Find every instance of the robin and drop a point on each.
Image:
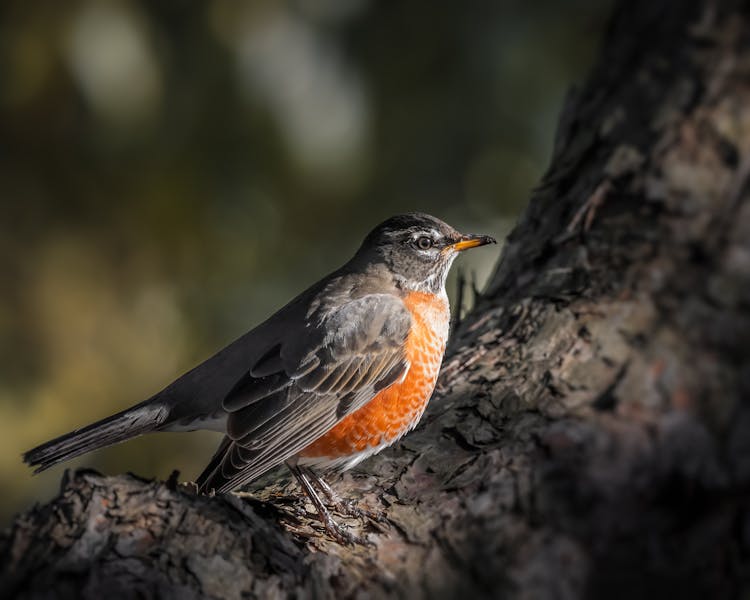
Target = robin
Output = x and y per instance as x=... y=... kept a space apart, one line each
x=341 y=372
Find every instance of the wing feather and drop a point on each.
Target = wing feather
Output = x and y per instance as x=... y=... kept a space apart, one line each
x=338 y=366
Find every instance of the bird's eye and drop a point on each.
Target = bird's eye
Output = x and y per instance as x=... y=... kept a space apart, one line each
x=424 y=243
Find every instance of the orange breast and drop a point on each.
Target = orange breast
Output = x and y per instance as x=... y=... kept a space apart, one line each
x=398 y=408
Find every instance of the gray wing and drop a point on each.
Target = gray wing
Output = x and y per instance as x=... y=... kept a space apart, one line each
x=301 y=387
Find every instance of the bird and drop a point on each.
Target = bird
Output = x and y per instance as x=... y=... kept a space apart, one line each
x=342 y=371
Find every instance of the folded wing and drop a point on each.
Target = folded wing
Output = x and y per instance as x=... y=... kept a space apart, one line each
x=302 y=386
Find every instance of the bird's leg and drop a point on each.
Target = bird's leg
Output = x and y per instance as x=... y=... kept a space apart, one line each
x=346 y=507
x=323 y=486
x=331 y=526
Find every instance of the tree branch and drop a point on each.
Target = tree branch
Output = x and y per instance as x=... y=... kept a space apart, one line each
x=591 y=433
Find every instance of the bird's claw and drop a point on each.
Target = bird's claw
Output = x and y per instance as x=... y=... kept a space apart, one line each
x=351 y=509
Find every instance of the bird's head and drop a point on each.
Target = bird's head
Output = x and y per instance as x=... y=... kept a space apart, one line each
x=418 y=249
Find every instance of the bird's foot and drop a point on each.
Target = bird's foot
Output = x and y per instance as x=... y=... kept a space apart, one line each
x=335 y=530
x=349 y=508
x=340 y=533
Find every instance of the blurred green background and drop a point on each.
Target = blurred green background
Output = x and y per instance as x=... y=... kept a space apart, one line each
x=172 y=172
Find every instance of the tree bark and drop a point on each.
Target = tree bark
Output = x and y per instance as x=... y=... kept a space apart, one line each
x=590 y=435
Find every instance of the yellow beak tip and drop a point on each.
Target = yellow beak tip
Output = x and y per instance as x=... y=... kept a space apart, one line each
x=472 y=241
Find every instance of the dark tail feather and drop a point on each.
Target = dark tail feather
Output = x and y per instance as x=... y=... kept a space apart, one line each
x=127 y=424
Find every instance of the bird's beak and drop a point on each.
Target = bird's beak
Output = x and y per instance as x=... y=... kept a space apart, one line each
x=471 y=241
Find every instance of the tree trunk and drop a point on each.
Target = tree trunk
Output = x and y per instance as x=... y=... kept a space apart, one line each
x=590 y=435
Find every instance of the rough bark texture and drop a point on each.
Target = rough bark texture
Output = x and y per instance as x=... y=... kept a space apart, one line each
x=590 y=436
